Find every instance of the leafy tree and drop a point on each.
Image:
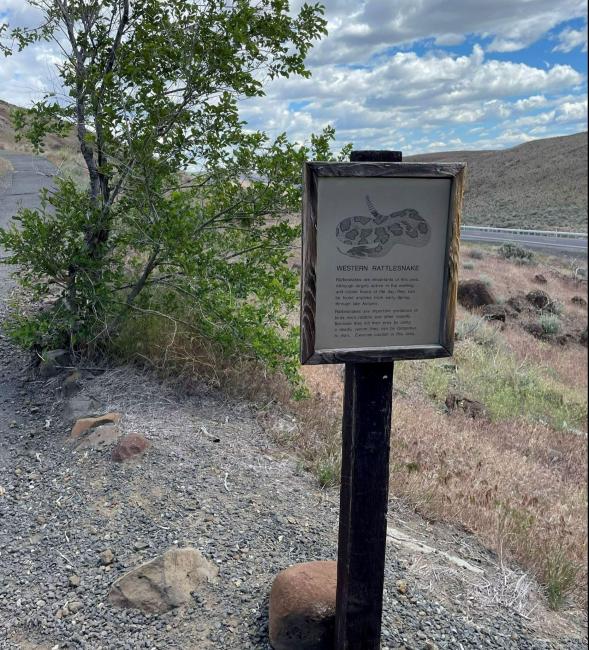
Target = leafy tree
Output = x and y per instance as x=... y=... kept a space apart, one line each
x=152 y=90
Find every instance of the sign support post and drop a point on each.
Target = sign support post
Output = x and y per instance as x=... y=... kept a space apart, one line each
x=380 y=278
x=364 y=491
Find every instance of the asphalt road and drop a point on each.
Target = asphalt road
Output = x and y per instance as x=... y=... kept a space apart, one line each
x=20 y=188
x=573 y=246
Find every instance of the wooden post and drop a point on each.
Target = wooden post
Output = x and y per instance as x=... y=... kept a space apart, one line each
x=364 y=491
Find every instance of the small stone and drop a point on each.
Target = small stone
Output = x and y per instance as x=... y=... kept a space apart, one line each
x=107 y=557
x=2 y=491
x=402 y=586
x=99 y=438
x=40 y=603
x=139 y=546
x=75 y=606
x=540 y=279
x=81 y=407
x=164 y=583
x=302 y=607
x=84 y=424
x=74 y=581
x=71 y=385
x=129 y=446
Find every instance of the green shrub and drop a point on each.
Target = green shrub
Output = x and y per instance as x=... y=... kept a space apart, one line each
x=486 y=280
x=477 y=329
x=559 y=576
x=476 y=254
x=512 y=251
x=550 y=324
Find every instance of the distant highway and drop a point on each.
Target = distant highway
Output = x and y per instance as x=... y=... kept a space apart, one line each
x=555 y=242
x=20 y=188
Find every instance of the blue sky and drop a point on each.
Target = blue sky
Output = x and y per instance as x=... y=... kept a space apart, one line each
x=416 y=75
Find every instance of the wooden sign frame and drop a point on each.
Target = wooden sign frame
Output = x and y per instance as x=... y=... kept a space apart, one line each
x=313 y=172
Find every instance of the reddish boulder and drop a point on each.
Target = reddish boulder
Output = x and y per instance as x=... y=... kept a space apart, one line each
x=129 y=446
x=83 y=424
x=494 y=312
x=474 y=293
x=302 y=607
x=540 y=299
x=468 y=406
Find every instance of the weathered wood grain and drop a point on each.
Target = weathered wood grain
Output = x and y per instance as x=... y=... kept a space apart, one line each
x=364 y=491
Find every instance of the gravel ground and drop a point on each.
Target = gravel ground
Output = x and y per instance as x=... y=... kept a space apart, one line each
x=211 y=480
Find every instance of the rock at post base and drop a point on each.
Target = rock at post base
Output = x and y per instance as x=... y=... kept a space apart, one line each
x=163 y=583
x=129 y=446
x=302 y=607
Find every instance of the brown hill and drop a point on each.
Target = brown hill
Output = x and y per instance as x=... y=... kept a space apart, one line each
x=7 y=140
x=539 y=184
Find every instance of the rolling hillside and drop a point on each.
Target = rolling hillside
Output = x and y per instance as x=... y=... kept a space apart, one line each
x=539 y=184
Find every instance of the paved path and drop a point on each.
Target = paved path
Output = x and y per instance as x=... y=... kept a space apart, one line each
x=20 y=188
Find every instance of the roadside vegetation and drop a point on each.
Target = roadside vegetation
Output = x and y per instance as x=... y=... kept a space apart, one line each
x=513 y=470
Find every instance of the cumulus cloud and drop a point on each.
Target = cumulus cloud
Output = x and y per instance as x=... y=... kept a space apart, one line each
x=569 y=39
x=359 y=29
x=386 y=77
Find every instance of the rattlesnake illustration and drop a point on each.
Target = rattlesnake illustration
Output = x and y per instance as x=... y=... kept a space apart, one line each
x=375 y=236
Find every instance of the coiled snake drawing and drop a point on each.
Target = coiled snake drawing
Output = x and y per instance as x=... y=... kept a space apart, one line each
x=375 y=236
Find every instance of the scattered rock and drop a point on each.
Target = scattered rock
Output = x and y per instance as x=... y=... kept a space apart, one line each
x=74 y=581
x=494 y=312
x=469 y=406
x=402 y=586
x=474 y=293
x=163 y=583
x=540 y=299
x=52 y=362
x=129 y=446
x=107 y=557
x=84 y=424
x=540 y=279
x=535 y=329
x=579 y=300
x=518 y=303
x=302 y=607
x=71 y=385
x=99 y=437
x=81 y=407
x=75 y=606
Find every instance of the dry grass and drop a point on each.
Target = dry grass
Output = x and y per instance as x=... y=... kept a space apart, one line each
x=518 y=483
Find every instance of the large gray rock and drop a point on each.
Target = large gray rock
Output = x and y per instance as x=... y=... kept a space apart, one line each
x=81 y=406
x=302 y=607
x=163 y=583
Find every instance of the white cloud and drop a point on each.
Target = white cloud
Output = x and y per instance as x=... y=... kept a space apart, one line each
x=359 y=29
x=569 y=39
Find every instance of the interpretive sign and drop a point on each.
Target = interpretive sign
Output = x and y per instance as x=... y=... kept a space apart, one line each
x=380 y=249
